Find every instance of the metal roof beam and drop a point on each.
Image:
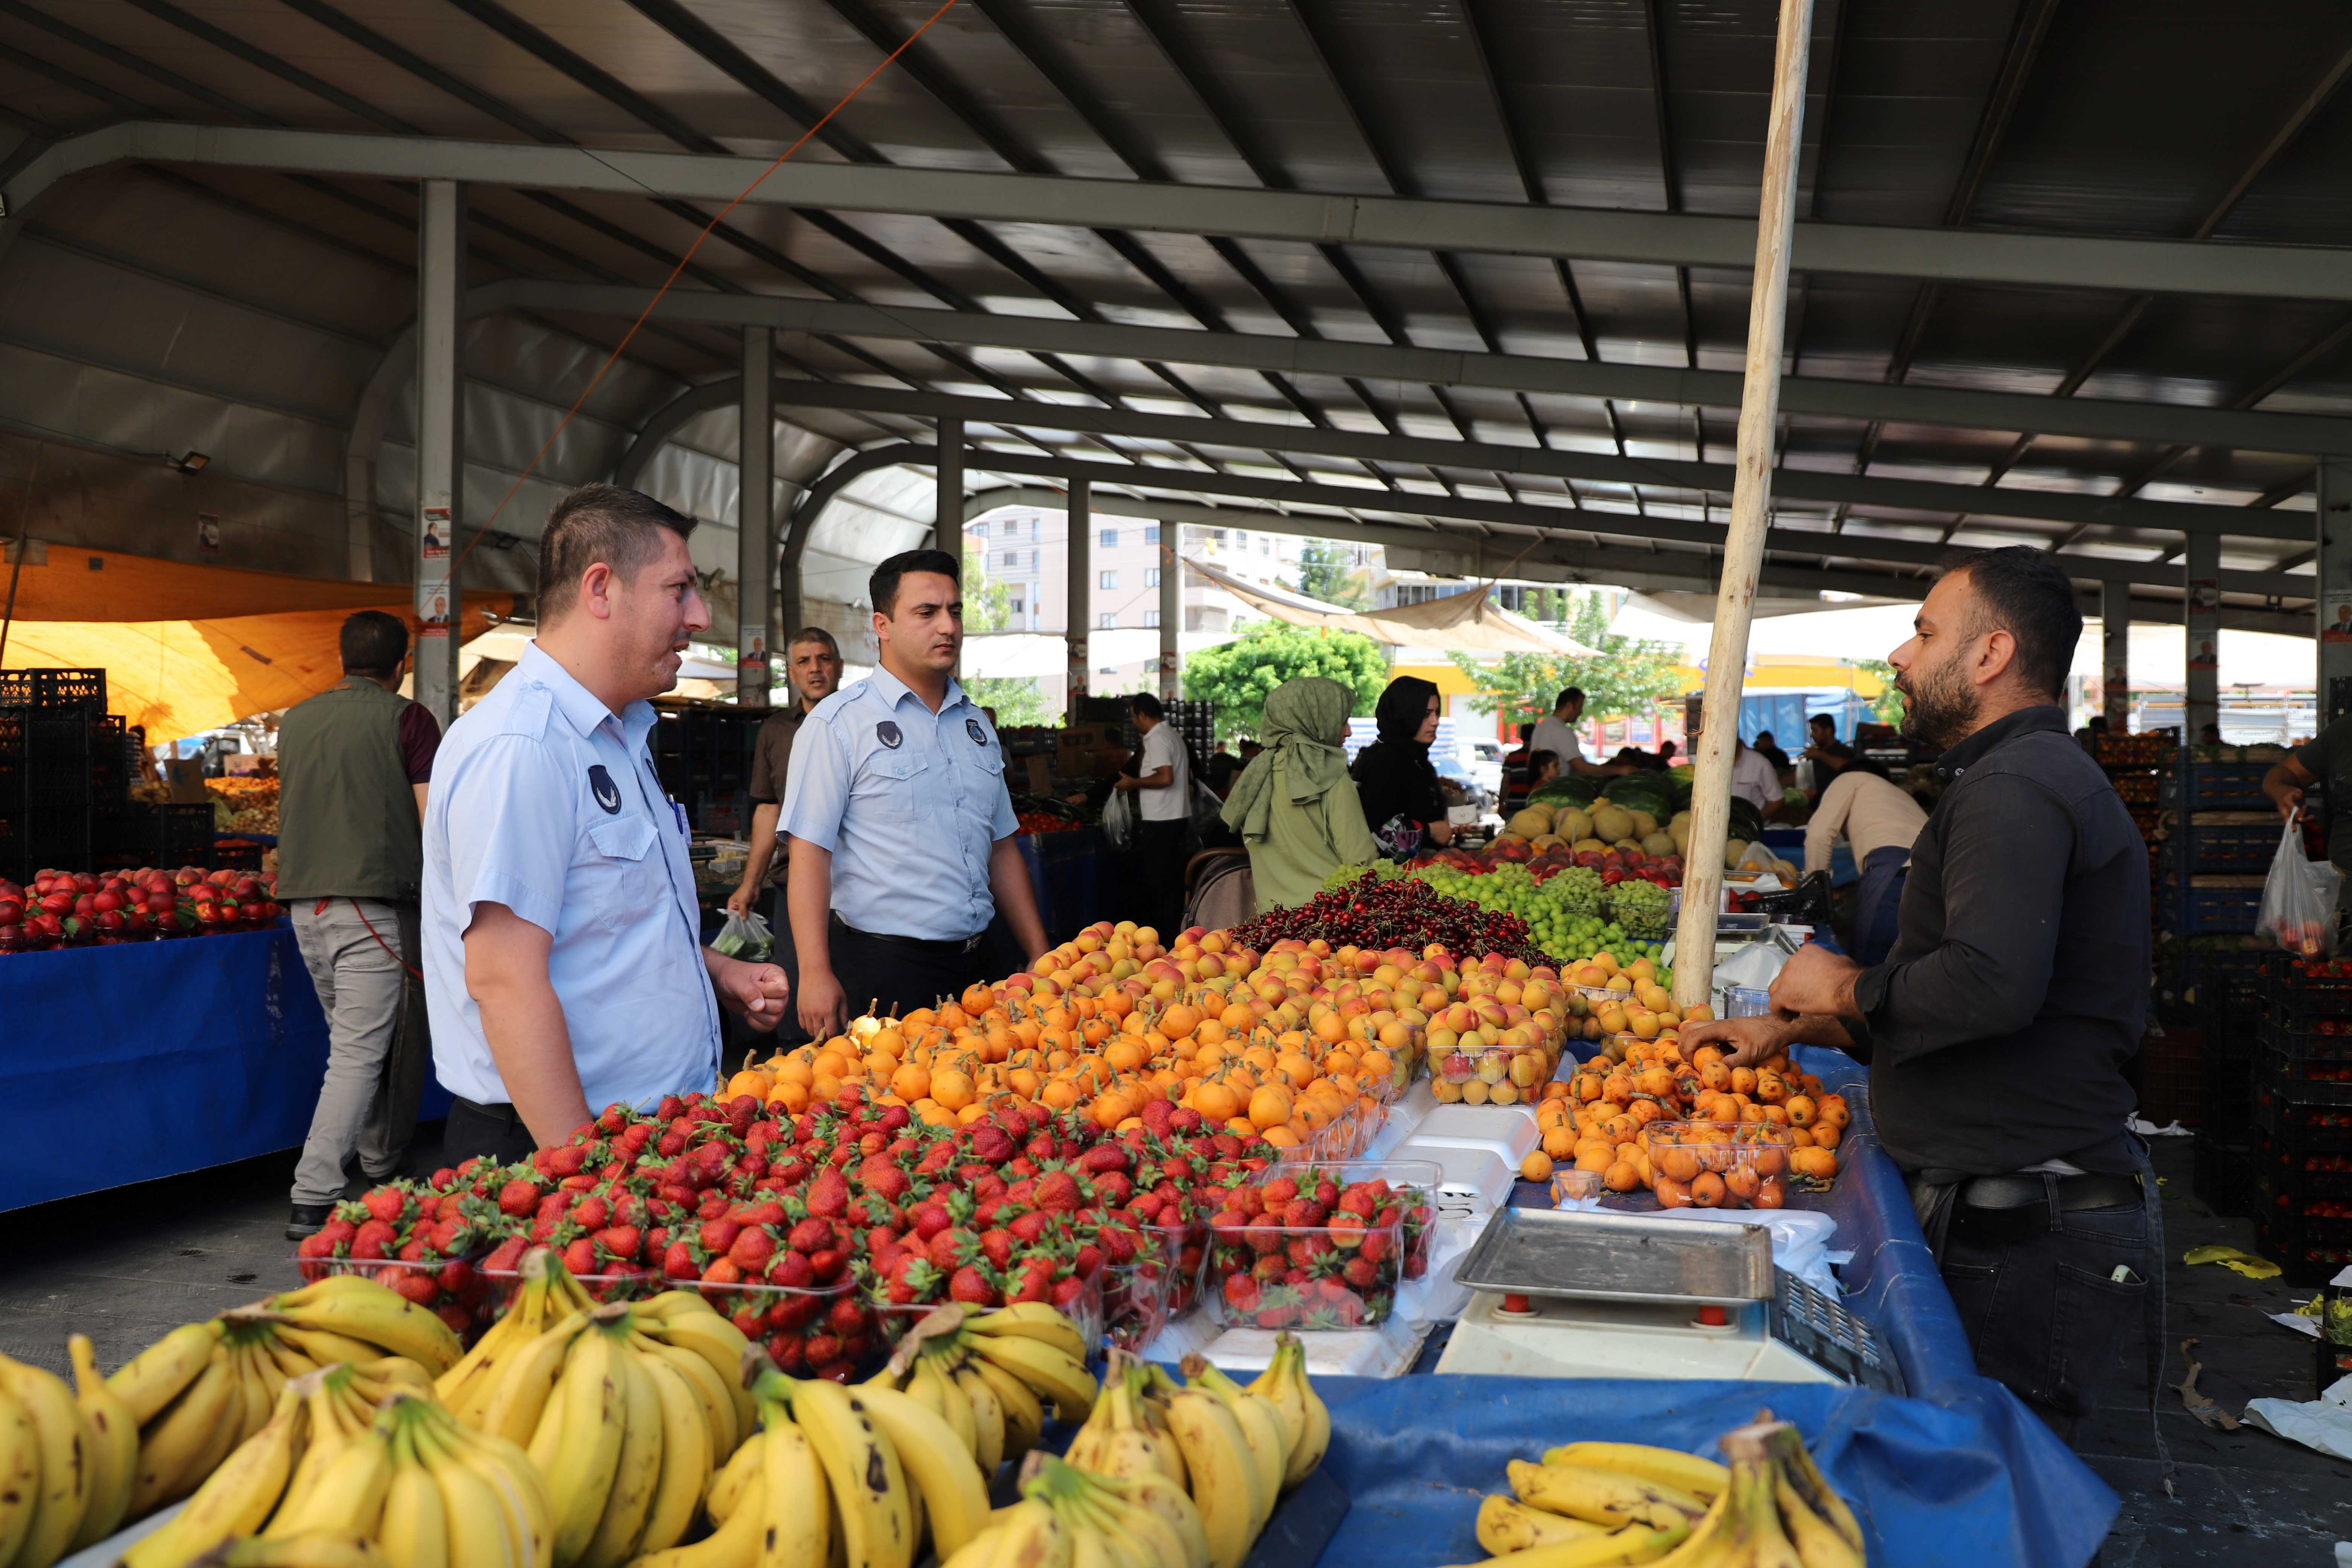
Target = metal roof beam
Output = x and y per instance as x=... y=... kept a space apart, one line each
x=1381 y=363
x=2029 y=260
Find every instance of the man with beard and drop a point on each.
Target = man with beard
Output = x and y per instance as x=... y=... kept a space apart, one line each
x=902 y=834
x=1997 y=1026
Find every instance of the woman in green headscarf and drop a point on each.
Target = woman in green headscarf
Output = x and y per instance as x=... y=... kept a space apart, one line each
x=1294 y=806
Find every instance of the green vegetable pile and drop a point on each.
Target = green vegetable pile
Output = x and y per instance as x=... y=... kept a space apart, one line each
x=1562 y=913
x=1640 y=906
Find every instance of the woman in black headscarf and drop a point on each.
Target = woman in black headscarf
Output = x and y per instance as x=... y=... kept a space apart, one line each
x=1393 y=776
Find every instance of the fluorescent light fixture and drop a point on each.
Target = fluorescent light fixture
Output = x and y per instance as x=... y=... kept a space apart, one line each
x=190 y=462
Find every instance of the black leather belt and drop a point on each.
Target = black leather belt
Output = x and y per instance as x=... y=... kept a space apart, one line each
x=504 y=1115
x=948 y=947
x=2085 y=1192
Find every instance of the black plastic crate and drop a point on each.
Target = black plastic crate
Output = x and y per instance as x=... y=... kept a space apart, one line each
x=2311 y=1249
x=2305 y=1082
x=2324 y=1040
x=2203 y=911
x=63 y=691
x=2221 y=848
x=2216 y=786
x=2220 y=1174
x=2292 y=1181
x=2305 y=1128
x=232 y=854
x=184 y=835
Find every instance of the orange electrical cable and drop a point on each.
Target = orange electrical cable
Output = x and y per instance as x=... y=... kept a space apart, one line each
x=596 y=380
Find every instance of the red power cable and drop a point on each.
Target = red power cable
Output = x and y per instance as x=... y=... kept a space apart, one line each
x=596 y=380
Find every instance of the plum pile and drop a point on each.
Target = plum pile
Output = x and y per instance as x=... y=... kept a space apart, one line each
x=1405 y=912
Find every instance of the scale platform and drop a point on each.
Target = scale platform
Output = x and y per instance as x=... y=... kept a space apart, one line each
x=1564 y=1293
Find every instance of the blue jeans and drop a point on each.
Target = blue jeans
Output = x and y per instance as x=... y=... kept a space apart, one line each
x=1877 y=900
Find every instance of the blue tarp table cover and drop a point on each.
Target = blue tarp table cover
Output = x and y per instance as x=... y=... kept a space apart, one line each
x=1959 y=1473
x=154 y=1058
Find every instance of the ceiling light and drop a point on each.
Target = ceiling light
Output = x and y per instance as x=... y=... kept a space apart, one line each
x=190 y=463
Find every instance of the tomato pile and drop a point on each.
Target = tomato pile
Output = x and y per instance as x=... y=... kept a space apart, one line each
x=822 y=1234
x=72 y=908
x=1403 y=913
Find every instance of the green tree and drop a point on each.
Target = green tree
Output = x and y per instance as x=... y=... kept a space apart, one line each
x=1324 y=572
x=1626 y=677
x=1236 y=677
x=987 y=608
x=1887 y=706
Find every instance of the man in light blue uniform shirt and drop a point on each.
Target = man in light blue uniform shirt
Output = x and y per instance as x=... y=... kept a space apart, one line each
x=563 y=963
x=902 y=832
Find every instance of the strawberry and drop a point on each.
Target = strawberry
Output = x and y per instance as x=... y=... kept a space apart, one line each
x=1027 y=1228
x=846 y=1318
x=828 y=1194
x=718 y=1235
x=1303 y=1214
x=950 y=1248
x=1066 y=1291
x=1058 y=1189
x=810 y=1235
x=829 y=1264
x=792 y=1269
x=386 y=1204
x=1358 y=1200
x=1033 y=1281
x=679 y=1262
x=1360 y=1272
x=722 y=1271
x=621 y=1241
x=341 y=1225
x=418 y=1286
x=315 y=1244
x=374 y=1240
x=972 y=1287
x=996 y=1246
x=591 y=1212
x=914 y=1280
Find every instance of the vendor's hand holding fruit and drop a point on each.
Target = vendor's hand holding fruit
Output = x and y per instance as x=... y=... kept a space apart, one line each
x=1815 y=984
x=1814 y=990
x=1745 y=1042
x=758 y=993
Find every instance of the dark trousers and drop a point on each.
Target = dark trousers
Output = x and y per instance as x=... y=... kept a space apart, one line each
x=493 y=1132
x=896 y=977
x=2037 y=1293
x=1877 y=899
x=1160 y=852
x=787 y=958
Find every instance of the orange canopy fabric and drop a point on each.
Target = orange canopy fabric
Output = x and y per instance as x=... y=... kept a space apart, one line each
x=188 y=649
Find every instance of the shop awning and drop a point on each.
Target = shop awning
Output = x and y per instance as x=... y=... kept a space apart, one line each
x=1468 y=622
x=189 y=648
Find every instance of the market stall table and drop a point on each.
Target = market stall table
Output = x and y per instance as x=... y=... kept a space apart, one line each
x=156 y=1059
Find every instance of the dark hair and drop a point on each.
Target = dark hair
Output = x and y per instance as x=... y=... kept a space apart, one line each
x=813 y=634
x=1249 y=743
x=1828 y=719
x=599 y=523
x=1572 y=694
x=373 y=644
x=882 y=588
x=1763 y=738
x=1147 y=705
x=1540 y=760
x=2098 y=724
x=2022 y=591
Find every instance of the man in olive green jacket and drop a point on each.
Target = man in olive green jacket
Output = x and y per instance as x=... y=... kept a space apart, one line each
x=352 y=764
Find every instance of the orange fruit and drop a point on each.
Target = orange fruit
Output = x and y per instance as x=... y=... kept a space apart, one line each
x=1707 y=1190
x=1622 y=1176
x=1535 y=1167
x=1672 y=1195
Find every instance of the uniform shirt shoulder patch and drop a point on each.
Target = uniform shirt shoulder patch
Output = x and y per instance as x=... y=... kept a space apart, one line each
x=979 y=736
x=607 y=793
x=887 y=731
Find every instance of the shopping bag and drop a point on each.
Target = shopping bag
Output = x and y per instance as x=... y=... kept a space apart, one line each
x=1119 y=820
x=2299 y=898
x=746 y=937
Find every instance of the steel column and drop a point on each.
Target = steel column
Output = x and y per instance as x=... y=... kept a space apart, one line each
x=2114 y=666
x=755 y=518
x=2335 y=606
x=2203 y=572
x=947 y=526
x=1171 y=611
x=1077 y=612
x=440 y=441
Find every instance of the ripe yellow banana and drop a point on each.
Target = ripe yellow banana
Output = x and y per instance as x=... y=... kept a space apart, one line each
x=376 y=1315
x=1274 y=1386
x=1024 y=1417
x=20 y=1474
x=935 y=1458
x=530 y=1315
x=163 y=1372
x=415 y=1510
x=481 y=1528
x=1225 y=1476
x=64 y=1443
x=734 y=1544
x=1818 y=1543
x=623 y=1522
x=717 y=1341
x=1029 y=1535
x=311 y=1549
x=1033 y=1321
x=1631 y=1544
x=517 y=1398
x=182 y=1445
x=249 y=1408
x=347 y=1498
x=931 y=1388
x=590 y=1419
x=1260 y=1427
x=686 y=1451
x=1779 y=1443
x=234 y=1500
x=1054 y=1373
x=987 y=1418
x=1702 y=1478
x=869 y=1487
x=711 y=1394
x=1315 y=1419
x=1603 y=1497
x=794 y=1500
x=1506 y=1524
x=735 y=1479
x=514 y=1484
x=325 y=1348
x=1174 y=1505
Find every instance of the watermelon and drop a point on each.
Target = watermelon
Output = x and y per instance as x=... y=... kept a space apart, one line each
x=1572 y=789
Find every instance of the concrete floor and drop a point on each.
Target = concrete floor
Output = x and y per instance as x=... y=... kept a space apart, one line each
x=126 y=1266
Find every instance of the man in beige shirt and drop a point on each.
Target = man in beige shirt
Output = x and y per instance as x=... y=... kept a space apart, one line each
x=1882 y=822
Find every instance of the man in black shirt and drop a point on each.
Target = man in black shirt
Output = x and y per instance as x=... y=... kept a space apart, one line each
x=1997 y=1028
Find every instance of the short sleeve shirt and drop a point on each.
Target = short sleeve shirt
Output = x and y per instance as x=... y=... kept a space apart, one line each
x=546 y=802
x=1753 y=780
x=420 y=737
x=772 y=754
x=2327 y=756
x=910 y=803
x=1163 y=748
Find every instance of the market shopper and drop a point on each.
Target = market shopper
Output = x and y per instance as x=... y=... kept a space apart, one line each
x=1555 y=732
x=1295 y=807
x=2327 y=755
x=354 y=765
x=813 y=671
x=1162 y=787
x=563 y=962
x=1996 y=1029
x=901 y=832
x=1880 y=821
x=1394 y=778
x=1753 y=780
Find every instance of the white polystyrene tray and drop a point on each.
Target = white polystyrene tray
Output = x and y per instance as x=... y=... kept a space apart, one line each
x=1508 y=1130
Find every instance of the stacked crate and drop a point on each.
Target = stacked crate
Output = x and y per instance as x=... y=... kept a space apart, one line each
x=2302 y=1171
x=62 y=767
x=2220 y=832
x=704 y=756
x=2230 y=1003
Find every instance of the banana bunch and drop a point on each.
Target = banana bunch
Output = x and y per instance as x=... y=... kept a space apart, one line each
x=626 y=1410
x=58 y=1479
x=993 y=1376
x=204 y=1388
x=1600 y=1505
x=1069 y=1517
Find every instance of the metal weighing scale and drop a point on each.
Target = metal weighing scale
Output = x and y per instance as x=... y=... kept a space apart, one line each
x=1569 y=1293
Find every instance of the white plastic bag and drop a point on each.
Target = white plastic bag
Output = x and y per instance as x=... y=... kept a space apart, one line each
x=1119 y=820
x=746 y=937
x=2299 y=898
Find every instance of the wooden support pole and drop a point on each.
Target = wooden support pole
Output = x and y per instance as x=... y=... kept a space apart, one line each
x=1751 y=498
